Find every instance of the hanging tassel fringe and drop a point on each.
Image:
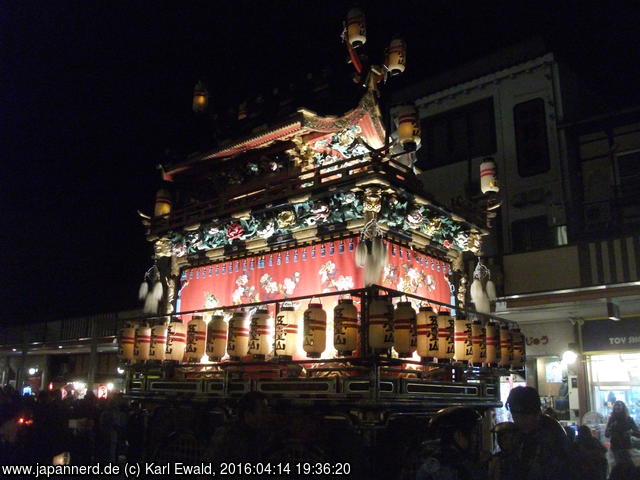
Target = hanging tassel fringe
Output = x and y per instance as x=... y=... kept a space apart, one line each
x=150 y=304
x=491 y=290
x=143 y=290
x=361 y=254
x=157 y=291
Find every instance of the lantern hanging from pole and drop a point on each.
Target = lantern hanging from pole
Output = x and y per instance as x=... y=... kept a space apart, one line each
x=493 y=344
x=506 y=347
x=397 y=56
x=356 y=28
x=345 y=328
x=488 y=178
x=462 y=339
x=126 y=342
x=404 y=328
x=409 y=128
x=216 y=338
x=163 y=204
x=158 y=342
x=142 y=343
x=286 y=339
x=260 y=334
x=176 y=340
x=518 y=348
x=200 y=97
x=315 y=330
x=477 y=340
x=427 y=334
x=196 y=339
x=381 y=324
x=445 y=337
x=238 y=342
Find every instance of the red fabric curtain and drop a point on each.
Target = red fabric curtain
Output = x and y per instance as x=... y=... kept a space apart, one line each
x=324 y=267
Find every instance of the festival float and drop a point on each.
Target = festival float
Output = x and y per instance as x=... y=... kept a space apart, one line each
x=306 y=261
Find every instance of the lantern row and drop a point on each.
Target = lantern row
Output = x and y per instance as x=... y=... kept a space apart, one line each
x=434 y=336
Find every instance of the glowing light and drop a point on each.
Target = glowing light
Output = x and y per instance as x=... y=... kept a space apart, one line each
x=120 y=370
x=109 y=386
x=569 y=357
x=33 y=371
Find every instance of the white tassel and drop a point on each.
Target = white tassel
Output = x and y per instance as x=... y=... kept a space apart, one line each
x=379 y=251
x=361 y=254
x=150 y=304
x=373 y=269
x=482 y=304
x=143 y=290
x=157 y=291
x=476 y=291
x=491 y=290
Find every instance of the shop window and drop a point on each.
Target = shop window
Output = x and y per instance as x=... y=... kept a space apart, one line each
x=531 y=234
x=532 y=146
x=458 y=135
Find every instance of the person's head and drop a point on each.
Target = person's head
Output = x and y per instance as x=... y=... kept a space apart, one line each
x=253 y=409
x=507 y=436
x=584 y=432
x=524 y=405
x=620 y=409
x=458 y=427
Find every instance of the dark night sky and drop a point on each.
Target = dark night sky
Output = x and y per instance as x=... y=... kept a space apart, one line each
x=94 y=92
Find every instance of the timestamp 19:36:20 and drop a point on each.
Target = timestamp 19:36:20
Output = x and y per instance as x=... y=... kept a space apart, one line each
x=285 y=469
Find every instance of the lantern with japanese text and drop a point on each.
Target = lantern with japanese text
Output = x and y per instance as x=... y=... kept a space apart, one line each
x=462 y=338
x=518 y=348
x=409 y=128
x=158 y=342
x=142 y=343
x=404 y=329
x=427 y=334
x=477 y=341
x=239 y=332
x=345 y=328
x=315 y=330
x=163 y=203
x=396 y=56
x=356 y=27
x=286 y=337
x=261 y=334
x=196 y=339
x=445 y=337
x=488 y=180
x=380 y=324
x=126 y=342
x=506 y=347
x=176 y=340
x=216 y=338
x=493 y=344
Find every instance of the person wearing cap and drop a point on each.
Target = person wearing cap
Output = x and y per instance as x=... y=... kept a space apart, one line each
x=453 y=452
x=503 y=465
x=543 y=453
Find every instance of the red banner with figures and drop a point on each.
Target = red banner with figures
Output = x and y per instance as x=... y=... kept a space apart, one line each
x=320 y=268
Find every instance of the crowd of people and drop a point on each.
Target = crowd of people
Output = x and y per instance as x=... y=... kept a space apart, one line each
x=35 y=429
x=534 y=446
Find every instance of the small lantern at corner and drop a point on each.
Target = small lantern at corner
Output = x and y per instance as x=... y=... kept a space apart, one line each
x=396 y=56
x=488 y=179
x=409 y=128
x=200 y=97
x=356 y=28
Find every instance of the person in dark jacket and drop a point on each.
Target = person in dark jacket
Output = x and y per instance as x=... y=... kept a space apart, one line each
x=592 y=454
x=620 y=428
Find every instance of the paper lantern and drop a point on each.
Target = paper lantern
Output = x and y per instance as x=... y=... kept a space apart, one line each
x=380 y=324
x=493 y=344
x=158 y=342
x=345 y=327
x=163 y=203
x=409 y=128
x=518 y=348
x=176 y=341
x=462 y=339
x=216 y=338
x=506 y=347
x=142 y=343
x=445 y=337
x=477 y=342
x=356 y=27
x=397 y=56
x=286 y=340
x=239 y=331
x=488 y=179
x=427 y=334
x=196 y=339
x=126 y=343
x=200 y=98
x=315 y=330
x=261 y=334
x=404 y=329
